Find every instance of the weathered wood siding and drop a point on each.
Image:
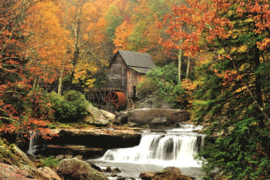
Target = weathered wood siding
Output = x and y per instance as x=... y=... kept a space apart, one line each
x=117 y=76
x=133 y=78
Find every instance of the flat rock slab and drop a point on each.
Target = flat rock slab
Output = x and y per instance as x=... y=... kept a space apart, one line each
x=13 y=172
x=98 y=138
x=77 y=169
x=157 y=116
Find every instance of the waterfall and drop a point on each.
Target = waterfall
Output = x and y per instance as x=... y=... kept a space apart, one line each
x=177 y=147
x=34 y=144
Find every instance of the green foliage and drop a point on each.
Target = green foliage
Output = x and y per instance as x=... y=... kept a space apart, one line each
x=50 y=162
x=237 y=136
x=68 y=108
x=7 y=153
x=161 y=83
x=146 y=126
x=115 y=19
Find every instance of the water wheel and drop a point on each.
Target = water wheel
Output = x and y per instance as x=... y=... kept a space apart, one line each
x=118 y=99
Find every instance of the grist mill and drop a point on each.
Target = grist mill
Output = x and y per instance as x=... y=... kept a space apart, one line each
x=126 y=70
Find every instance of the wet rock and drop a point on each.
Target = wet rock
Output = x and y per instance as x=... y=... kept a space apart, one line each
x=26 y=164
x=96 y=117
x=13 y=172
x=132 y=124
x=27 y=168
x=173 y=170
x=77 y=169
x=116 y=170
x=147 y=175
x=109 y=116
x=113 y=175
x=78 y=157
x=68 y=156
x=157 y=116
x=168 y=173
x=95 y=166
x=121 y=118
x=23 y=157
x=79 y=150
x=108 y=169
x=49 y=173
x=120 y=178
x=99 y=138
x=96 y=121
x=60 y=156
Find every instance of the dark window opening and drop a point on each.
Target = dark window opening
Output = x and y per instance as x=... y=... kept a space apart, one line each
x=134 y=91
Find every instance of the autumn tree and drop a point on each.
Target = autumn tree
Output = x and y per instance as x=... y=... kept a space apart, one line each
x=233 y=84
x=18 y=107
x=47 y=44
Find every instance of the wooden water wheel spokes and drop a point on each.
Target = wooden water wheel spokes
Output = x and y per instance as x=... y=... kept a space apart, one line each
x=118 y=99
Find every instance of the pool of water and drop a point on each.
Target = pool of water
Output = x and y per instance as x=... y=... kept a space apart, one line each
x=134 y=169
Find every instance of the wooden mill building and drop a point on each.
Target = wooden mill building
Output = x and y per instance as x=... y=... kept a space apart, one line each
x=126 y=69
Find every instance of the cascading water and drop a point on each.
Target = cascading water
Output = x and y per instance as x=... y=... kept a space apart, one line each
x=34 y=144
x=177 y=147
x=33 y=141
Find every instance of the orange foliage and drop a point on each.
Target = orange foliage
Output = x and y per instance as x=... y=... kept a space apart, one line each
x=122 y=33
x=48 y=41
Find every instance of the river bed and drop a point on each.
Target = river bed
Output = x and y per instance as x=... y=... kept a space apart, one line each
x=176 y=147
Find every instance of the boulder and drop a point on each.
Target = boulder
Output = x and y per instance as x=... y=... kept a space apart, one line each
x=96 y=117
x=23 y=157
x=109 y=116
x=77 y=169
x=147 y=175
x=116 y=170
x=26 y=164
x=27 y=168
x=49 y=173
x=98 y=138
x=121 y=118
x=60 y=156
x=157 y=116
x=78 y=157
x=168 y=173
x=113 y=175
x=132 y=124
x=108 y=169
x=96 y=121
x=120 y=178
x=148 y=103
x=13 y=172
x=94 y=166
x=68 y=156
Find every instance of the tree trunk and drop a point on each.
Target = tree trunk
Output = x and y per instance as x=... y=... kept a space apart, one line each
x=34 y=84
x=188 y=64
x=76 y=54
x=180 y=60
x=61 y=77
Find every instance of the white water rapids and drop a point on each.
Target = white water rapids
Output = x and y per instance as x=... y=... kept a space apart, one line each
x=177 y=147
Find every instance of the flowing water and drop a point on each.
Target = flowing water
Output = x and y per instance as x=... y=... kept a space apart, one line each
x=177 y=147
x=34 y=144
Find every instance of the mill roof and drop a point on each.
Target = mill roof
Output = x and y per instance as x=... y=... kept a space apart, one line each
x=137 y=59
x=140 y=62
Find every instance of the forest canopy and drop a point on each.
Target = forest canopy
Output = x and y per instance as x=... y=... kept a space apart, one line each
x=212 y=57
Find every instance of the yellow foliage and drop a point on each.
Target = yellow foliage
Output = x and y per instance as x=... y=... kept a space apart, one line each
x=83 y=73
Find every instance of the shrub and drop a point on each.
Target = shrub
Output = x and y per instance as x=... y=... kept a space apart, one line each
x=69 y=108
x=161 y=83
x=50 y=162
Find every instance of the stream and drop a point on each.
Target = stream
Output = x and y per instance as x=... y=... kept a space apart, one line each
x=156 y=150
x=175 y=147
